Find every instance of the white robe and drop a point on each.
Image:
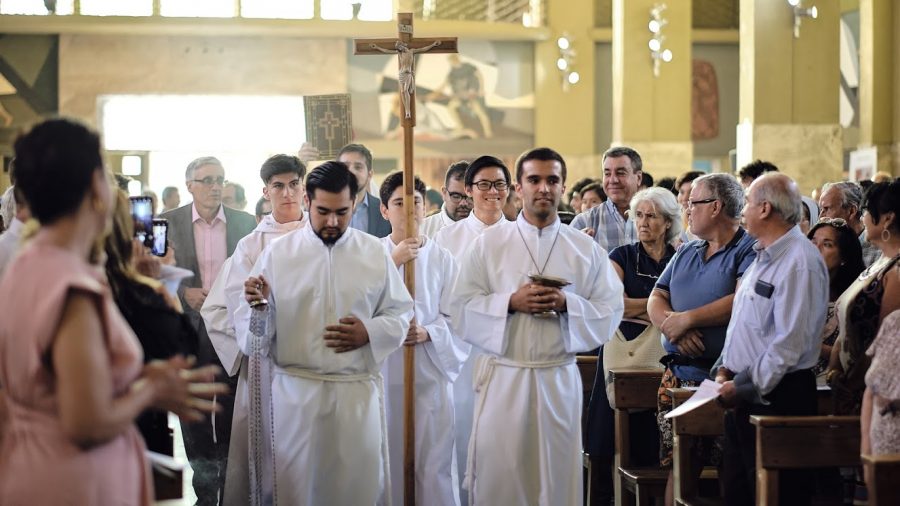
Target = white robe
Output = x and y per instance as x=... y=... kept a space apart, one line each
x=526 y=440
x=218 y=310
x=438 y=363
x=434 y=223
x=328 y=412
x=455 y=238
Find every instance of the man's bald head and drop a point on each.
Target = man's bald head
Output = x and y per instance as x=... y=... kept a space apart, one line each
x=782 y=194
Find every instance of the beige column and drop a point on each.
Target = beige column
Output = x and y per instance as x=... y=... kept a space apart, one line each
x=879 y=101
x=564 y=118
x=789 y=91
x=653 y=113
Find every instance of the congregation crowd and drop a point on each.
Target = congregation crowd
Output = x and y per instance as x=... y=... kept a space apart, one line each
x=278 y=339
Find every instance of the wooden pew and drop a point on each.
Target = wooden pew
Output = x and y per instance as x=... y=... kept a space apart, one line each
x=884 y=474
x=707 y=420
x=798 y=442
x=634 y=389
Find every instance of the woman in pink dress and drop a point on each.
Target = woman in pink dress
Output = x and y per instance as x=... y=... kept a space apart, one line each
x=71 y=369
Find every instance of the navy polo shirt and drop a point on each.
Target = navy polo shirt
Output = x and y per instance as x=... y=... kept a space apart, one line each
x=693 y=281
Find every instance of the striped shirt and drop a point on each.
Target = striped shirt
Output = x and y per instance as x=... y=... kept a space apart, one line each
x=611 y=229
x=778 y=315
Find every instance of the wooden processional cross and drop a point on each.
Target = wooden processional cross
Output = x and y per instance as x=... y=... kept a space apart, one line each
x=406 y=47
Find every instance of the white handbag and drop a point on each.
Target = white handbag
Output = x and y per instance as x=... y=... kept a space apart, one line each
x=642 y=352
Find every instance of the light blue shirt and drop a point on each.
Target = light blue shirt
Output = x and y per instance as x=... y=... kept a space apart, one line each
x=360 y=218
x=611 y=230
x=778 y=315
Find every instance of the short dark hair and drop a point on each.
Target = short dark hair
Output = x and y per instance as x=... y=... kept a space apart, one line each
x=259 y=207
x=646 y=179
x=358 y=148
x=851 y=256
x=55 y=165
x=687 y=177
x=596 y=188
x=281 y=164
x=884 y=198
x=333 y=177
x=579 y=185
x=542 y=154
x=484 y=162
x=756 y=168
x=456 y=170
x=636 y=163
x=393 y=181
x=668 y=183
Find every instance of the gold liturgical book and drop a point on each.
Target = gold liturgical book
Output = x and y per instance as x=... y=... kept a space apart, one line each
x=329 y=124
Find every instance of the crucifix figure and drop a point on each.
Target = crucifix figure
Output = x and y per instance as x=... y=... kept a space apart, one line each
x=407 y=75
x=406 y=47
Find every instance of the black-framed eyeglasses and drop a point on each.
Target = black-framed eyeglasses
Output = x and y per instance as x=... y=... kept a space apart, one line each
x=209 y=181
x=692 y=203
x=457 y=197
x=485 y=185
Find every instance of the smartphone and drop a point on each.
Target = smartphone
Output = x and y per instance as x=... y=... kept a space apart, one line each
x=160 y=237
x=142 y=213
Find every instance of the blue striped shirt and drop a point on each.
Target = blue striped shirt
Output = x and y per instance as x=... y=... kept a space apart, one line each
x=611 y=229
x=778 y=315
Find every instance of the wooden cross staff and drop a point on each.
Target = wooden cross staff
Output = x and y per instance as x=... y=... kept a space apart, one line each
x=406 y=47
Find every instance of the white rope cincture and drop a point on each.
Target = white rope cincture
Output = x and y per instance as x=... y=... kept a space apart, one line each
x=484 y=372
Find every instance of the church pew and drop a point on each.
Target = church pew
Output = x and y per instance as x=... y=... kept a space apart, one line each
x=707 y=420
x=634 y=389
x=587 y=367
x=884 y=475
x=799 y=442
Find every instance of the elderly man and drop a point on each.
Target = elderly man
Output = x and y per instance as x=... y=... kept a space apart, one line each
x=203 y=234
x=234 y=196
x=844 y=200
x=457 y=205
x=774 y=336
x=526 y=436
x=608 y=223
x=170 y=199
x=694 y=320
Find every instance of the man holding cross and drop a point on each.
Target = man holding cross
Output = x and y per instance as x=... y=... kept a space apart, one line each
x=531 y=294
x=327 y=324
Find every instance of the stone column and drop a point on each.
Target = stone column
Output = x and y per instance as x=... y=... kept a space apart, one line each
x=879 y=81
x=789 y=109
x=651 y=113
x=564 y=119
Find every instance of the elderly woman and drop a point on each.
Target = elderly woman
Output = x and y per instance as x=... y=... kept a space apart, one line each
x=874 y=295
x=842 y=253
x=70 y=366
x=657 y=218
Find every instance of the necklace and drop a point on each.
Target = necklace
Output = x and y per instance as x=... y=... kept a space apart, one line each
x=540 y=271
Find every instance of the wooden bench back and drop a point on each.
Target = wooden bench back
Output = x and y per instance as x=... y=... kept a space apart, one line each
x=884 y=477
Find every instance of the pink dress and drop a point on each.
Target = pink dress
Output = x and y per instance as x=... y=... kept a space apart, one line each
x=38 y=463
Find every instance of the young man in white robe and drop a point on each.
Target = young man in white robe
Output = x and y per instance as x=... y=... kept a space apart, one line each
x=438 y=357
x=282 y=176
x=335 y=308
x=526 y=437
x=457 y=205
x=487 y=182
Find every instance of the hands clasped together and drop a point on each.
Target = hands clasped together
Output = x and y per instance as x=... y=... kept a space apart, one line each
x=346 y=335
x=678 y=328
x=534 y=298
x=180 y=389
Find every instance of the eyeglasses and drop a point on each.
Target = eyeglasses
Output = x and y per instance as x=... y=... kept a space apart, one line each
x=484 y=185
x=692 y=203
x=637 y=269
x=209 y=181
x=457 y=197
x=834 y=222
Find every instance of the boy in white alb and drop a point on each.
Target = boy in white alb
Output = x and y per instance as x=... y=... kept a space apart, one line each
x=439 y=356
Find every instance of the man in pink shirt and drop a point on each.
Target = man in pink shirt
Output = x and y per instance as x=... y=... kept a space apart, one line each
x=204 y=234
